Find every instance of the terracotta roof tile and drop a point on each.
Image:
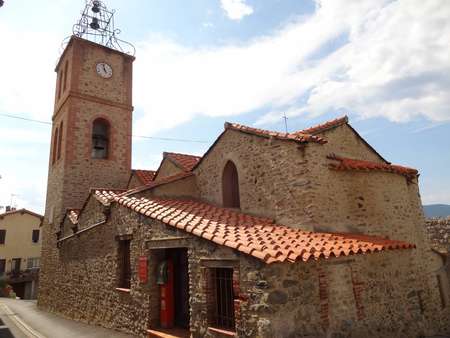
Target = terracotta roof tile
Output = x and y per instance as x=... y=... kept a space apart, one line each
x=297 y=137
x=362 y=165
x=184 y=161
x=324 y=126
x=256 y=236
x=145 y=176
x=73 y=215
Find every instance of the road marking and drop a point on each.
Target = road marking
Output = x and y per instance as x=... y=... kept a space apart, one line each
x=21 y=325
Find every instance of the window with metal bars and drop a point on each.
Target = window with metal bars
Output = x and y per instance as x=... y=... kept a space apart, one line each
x=124 y=264
x=222 y=298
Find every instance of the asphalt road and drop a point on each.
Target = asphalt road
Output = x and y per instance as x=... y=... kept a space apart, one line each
x=23 y=319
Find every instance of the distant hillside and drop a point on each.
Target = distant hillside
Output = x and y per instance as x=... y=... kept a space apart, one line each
x=436 y=210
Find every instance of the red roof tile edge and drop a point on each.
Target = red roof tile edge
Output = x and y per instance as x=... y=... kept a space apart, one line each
x=255 y=236
x=363 y=165
x=145 y=176
x=324 y=126
x=297 y=137
x=185 y=161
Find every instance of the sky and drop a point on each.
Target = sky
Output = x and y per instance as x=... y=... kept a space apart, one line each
x=199 y=63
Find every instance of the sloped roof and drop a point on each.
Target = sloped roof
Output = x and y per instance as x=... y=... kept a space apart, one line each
x=21 y=211
x=320 y=128
x=362 y=165
x=144 y=176
x=185 y=162
x=255 y=236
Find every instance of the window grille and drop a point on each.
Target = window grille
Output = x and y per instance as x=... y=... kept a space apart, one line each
x=223 y=301
x=124 y=264
x=33 y=263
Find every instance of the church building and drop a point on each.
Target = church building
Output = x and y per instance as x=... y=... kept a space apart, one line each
x=305 y=234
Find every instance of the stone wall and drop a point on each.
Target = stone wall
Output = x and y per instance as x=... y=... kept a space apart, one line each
x=374 y=295
x=438 y=232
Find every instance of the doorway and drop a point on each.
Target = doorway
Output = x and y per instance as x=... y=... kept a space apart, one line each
x=180 y=287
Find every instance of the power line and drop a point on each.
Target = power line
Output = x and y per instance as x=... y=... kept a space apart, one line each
x=24 y=118
x=138 y=136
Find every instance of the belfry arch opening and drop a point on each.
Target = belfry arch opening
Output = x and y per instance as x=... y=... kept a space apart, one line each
x=230 y=186
x=100 y=138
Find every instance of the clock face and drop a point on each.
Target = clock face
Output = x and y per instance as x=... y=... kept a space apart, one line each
x=104 y=70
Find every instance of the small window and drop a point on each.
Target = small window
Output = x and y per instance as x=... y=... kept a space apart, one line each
x=100 y=139
x=2 y=236
x=55 y=145
x=222 y=298
x=230 y=186
x=60 y=136
x=65 y=77
x=2 y=266
x=124 y=264
x=35 y=236
x=61 y=80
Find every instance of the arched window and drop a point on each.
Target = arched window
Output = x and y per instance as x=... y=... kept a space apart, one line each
x=100 y=138
x=55 y=145
x=230 y=186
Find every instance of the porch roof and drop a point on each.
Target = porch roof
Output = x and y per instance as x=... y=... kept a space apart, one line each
x=255 y=236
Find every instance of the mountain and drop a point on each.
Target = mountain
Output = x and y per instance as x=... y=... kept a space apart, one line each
x=436 y=210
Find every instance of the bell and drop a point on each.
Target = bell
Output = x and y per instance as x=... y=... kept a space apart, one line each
x=96 y=6
x=94 y=24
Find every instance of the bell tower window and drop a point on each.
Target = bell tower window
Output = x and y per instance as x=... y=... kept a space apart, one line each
x=230 y=186
x=100 y=138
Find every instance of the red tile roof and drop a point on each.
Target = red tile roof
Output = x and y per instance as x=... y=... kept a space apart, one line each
x=324 y=126
x=297 y=137
x=352 y=164
x=184 y=161
x=145 y=176
x=255 y=236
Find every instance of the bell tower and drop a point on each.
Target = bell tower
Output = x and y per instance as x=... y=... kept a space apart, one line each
x=92 y=118
x=91 y=129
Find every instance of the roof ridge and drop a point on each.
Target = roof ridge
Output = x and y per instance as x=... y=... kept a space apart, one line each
x=174 y=153
x=327 y=125
x=296 y=136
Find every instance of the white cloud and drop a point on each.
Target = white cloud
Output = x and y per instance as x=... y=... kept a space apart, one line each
x=236 y=9
x=393 y=61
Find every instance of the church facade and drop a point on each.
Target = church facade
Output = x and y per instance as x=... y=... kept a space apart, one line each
x=304 y=234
